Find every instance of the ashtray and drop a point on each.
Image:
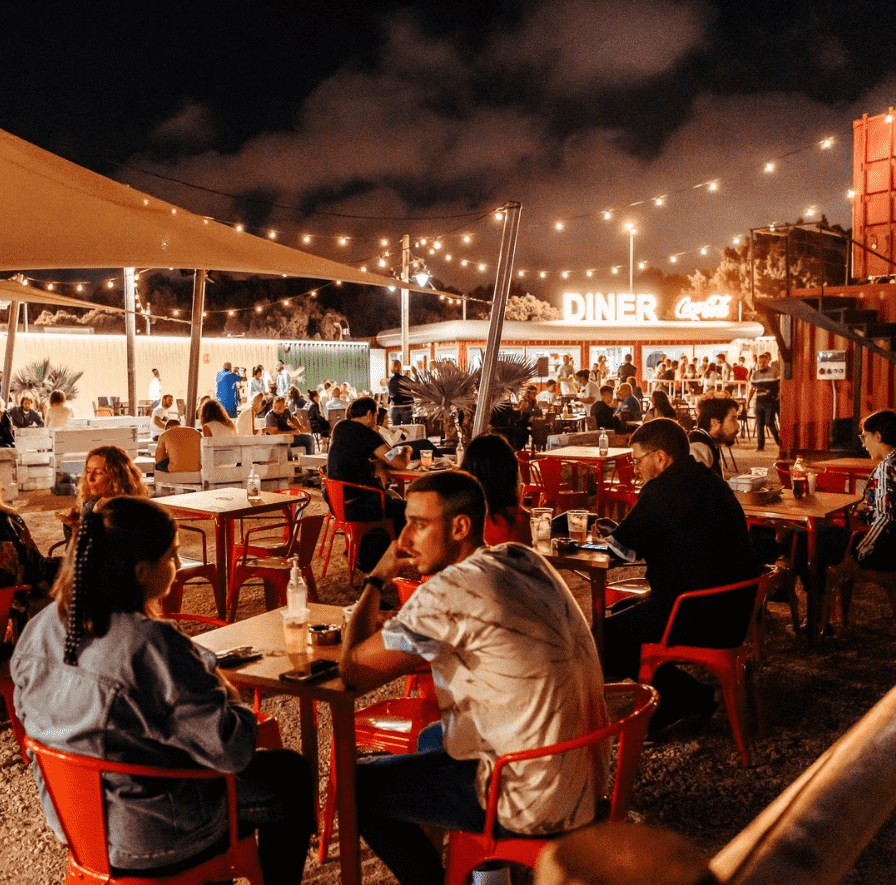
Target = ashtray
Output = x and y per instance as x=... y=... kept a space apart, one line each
x=325 y=634
x=566 y=545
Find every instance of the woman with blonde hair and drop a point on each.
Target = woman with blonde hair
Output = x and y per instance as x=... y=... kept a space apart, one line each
x=108 y=472
x=214 y=420
x=245 y=424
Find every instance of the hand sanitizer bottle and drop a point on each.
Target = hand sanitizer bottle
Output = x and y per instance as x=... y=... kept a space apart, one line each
x=296 y=590
x=253 y=485
x=603 y=442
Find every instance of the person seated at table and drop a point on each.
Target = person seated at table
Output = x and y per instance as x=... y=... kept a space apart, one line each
x=23 y=415
x=108 y=472
x=319 y=424
x=627 y=406
x=493 y=462
x=160 y=415
x=507 y=421
x=179 y=449
x=516 y=668
x=602 y=411
x=529 y=408
x=336 y=402
x=7 y=434
x=214 y=420
x=689 y=528
x=58 y=413
x=99 y=675
x=295 y=402
x=661 y=407
x=245 y=423
x=717 y=425
x=280 y=421
x=589 y=391
x=397 y=437
x=549 y=394
x=354 y=448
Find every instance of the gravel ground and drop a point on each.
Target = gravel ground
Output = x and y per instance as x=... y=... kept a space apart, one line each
x=694 y=786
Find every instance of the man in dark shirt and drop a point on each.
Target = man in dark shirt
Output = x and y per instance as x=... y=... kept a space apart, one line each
x=23 y=415
x=602 y=410
x=689 y=528
x=355 y=447
x=281 y=421
x=717 y=425
x=402 y=402
x=627 y=369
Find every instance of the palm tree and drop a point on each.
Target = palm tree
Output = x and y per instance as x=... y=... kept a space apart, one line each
x=39 y=379
x=450 y=390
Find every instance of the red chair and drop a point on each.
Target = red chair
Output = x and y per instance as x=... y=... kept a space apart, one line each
x=272 y=565
x=193 y=569
x=467 y=850
x=353 y=531
x=74 y=784
x=390 y=726
x=530 y=488
x=727 y=665
x=298 y=501
x=547 y=475
x=6 y=684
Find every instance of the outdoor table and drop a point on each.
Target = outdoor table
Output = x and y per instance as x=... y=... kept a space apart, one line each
x=595 y=565
x=854 y=468
x=224 y=506
x=809 y=511
x=265 y=632
x=588 y=455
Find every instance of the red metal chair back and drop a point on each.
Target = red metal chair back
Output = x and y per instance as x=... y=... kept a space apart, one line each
x=6 y=684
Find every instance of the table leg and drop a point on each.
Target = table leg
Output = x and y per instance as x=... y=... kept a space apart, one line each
x=344 y=740
x=813 y=591
x=598 y=608
x=222 y=551
x=308 y=744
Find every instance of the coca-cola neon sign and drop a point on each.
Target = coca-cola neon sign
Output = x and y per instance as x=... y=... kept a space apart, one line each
x=716 y=307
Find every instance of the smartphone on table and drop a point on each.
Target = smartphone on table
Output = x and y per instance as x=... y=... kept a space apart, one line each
x=316 y=671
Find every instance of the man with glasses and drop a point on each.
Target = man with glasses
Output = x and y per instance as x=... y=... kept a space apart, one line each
x=691 y=531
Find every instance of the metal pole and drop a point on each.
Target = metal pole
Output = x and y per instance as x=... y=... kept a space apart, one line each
x=146 y=314
x=195 y=345
x=11 y=328
x=405 y=298
x=499 y=305
x=631 y=261
x=130 y=333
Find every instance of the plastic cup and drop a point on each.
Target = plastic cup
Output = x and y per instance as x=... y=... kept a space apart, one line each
x=577 y=523
x=295 y=630
x=426 y=458
x=540 y=525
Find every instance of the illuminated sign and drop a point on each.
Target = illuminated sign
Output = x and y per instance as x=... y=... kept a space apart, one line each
x=716 y=307
x=595 y=307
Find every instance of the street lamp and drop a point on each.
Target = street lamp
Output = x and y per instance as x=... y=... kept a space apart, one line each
x=631 y=255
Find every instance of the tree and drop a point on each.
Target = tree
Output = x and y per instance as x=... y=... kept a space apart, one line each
x=529 y=308
x=40 y=378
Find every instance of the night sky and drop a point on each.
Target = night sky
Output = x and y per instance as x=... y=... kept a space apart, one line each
x=372 y=119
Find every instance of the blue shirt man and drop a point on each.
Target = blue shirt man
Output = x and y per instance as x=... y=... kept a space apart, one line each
x=225 y=389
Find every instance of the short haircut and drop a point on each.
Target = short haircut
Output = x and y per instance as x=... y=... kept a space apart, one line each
x=607 y=388
x=625 y=385
x=884 y=423
x=57 y=398
x=551 y=382
x=362 y=406
x=583 y=374
x=718 y=407
x=461 y=494
x=662 y=434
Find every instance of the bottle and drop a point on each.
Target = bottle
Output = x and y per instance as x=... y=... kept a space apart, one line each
x=603 y=442
x=459 y=452
x=296 y=590
x=799 y=478
x=253 y=485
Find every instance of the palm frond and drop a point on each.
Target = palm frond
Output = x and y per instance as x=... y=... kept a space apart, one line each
x=511 y=375
x=443 y=392
x=40 y=378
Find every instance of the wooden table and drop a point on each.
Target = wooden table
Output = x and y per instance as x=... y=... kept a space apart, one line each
x=854 y=468
x=809 y=511
x=265 y=632
x=224 y=506
x=595 y=566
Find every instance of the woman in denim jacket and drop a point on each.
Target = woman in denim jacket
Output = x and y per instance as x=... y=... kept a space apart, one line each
x=98 y=675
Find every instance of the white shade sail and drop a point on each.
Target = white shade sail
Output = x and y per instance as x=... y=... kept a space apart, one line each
x=55 y=214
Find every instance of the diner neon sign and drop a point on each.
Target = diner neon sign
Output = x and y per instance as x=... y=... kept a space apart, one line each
x=716 y=307
x=621 y=307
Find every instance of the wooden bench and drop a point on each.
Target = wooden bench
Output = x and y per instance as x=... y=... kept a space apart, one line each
x=70 y=446
x=226 y=461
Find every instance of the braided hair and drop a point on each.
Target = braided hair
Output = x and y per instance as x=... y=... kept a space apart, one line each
x=99 y=573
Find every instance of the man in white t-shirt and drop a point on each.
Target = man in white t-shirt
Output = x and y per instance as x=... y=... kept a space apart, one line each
x=160 y=416
x=589 y=391
x=514 y=666
x=549 y=394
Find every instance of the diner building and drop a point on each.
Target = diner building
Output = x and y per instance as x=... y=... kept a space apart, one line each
x=594 y=325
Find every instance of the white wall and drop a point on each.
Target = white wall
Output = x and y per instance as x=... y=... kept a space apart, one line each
x=103 y=360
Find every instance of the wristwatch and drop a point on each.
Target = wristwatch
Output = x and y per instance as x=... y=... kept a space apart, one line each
x=379 y=583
